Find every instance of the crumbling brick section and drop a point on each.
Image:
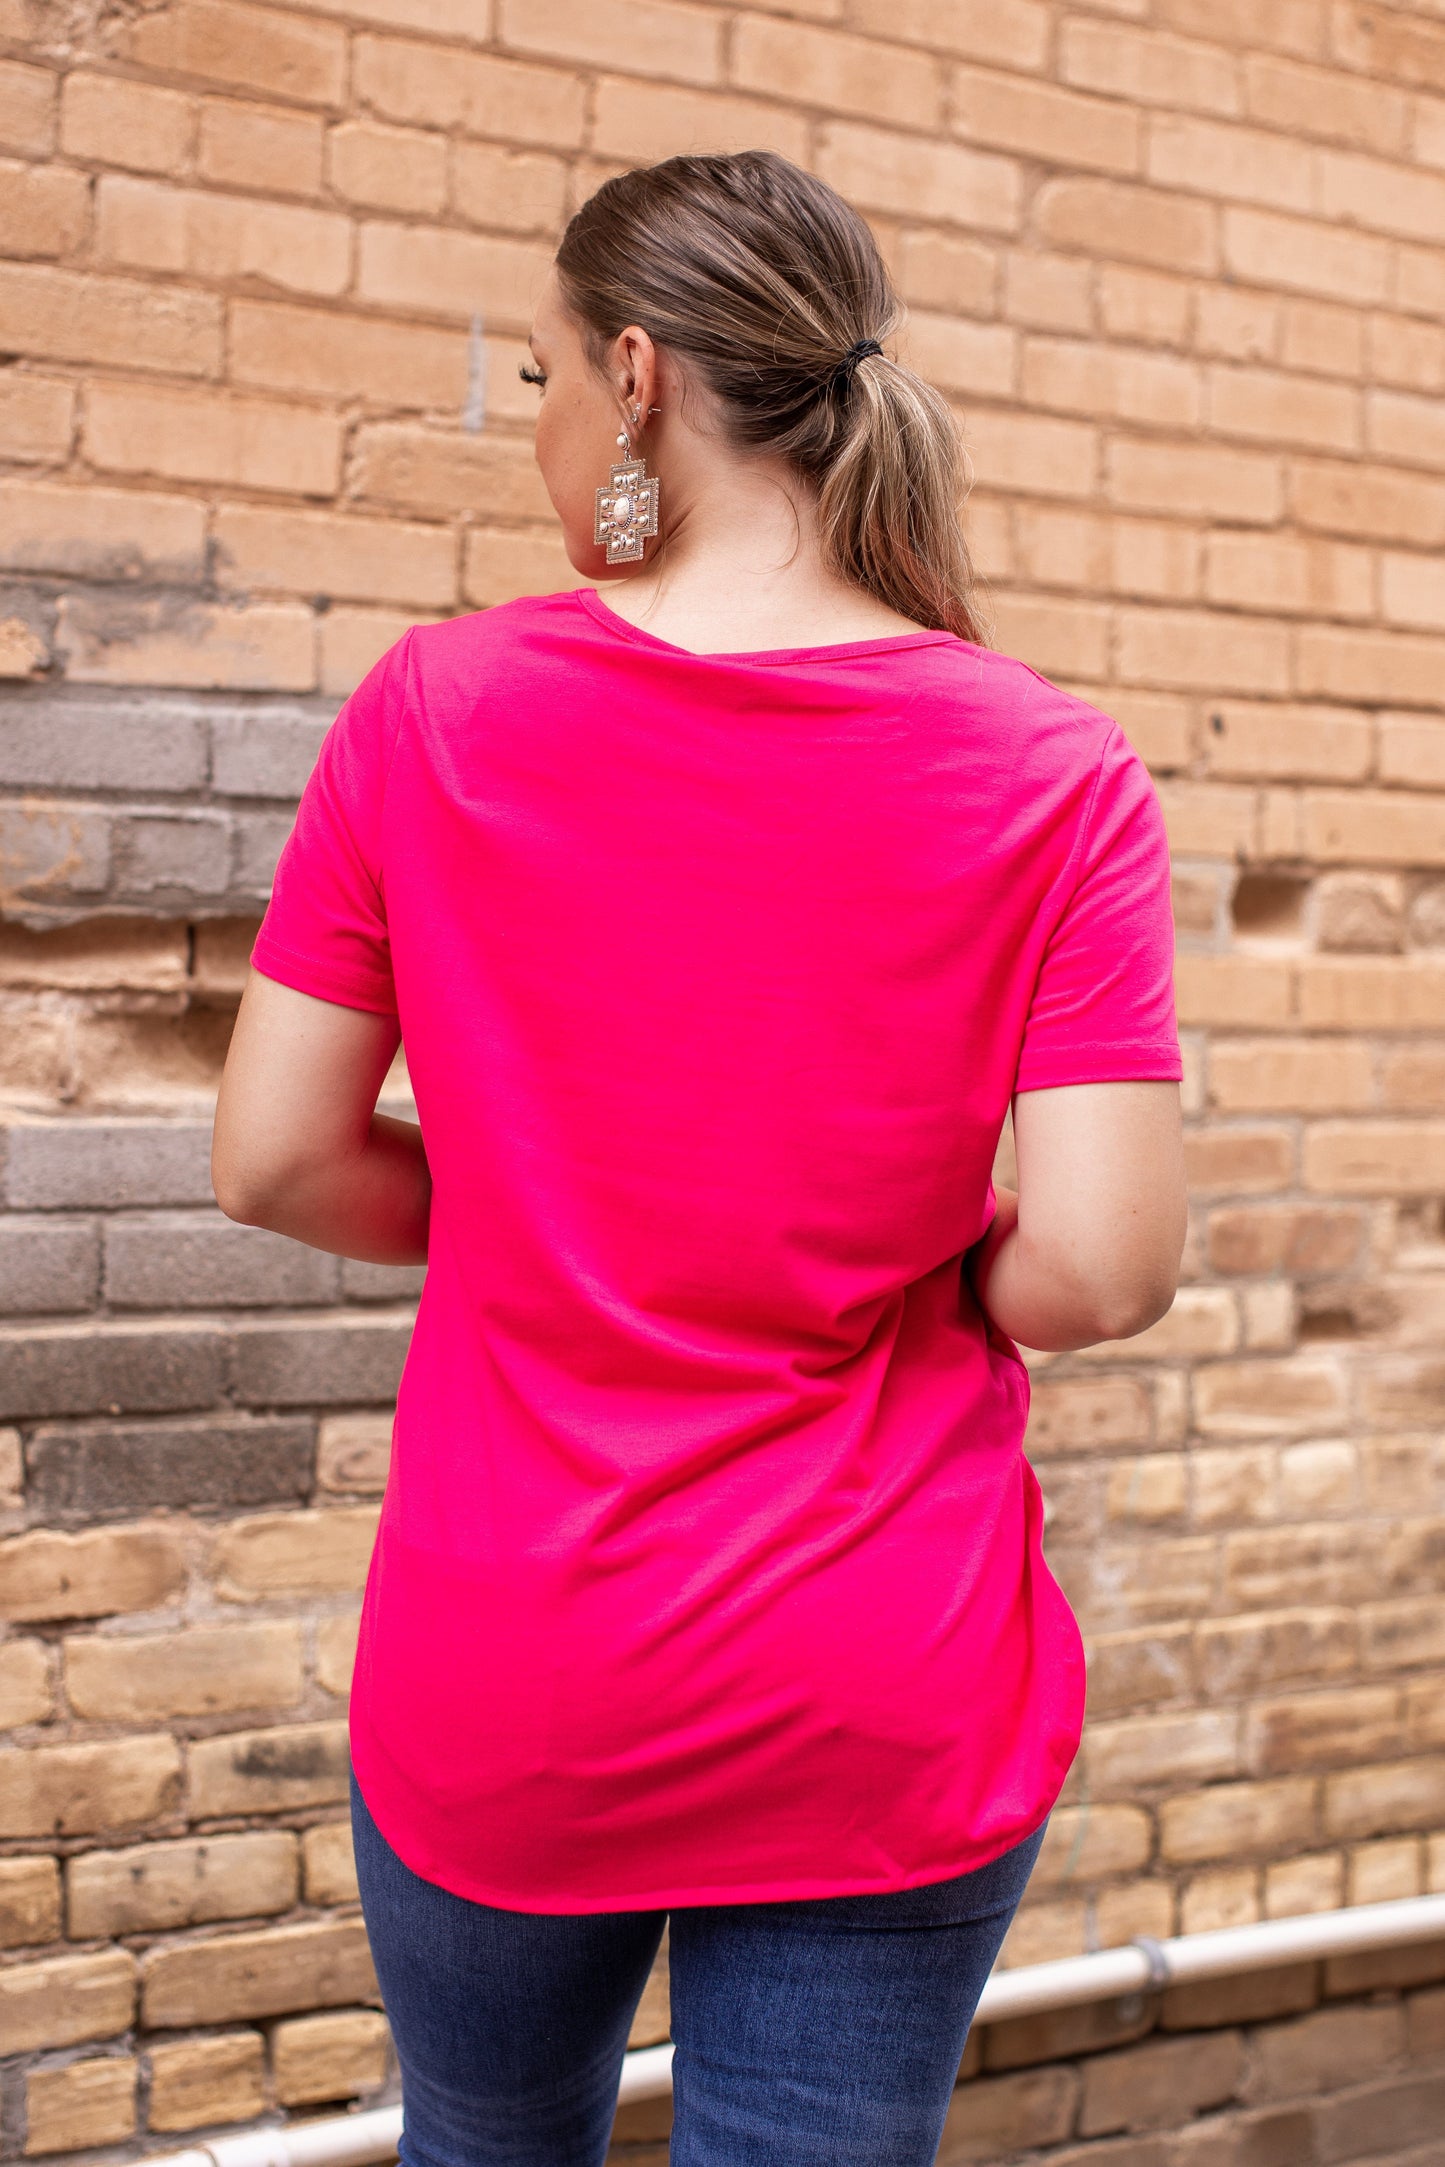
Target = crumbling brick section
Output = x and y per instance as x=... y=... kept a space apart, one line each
x=266 y=272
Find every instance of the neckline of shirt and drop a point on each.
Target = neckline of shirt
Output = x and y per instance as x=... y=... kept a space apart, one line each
x=840 y=650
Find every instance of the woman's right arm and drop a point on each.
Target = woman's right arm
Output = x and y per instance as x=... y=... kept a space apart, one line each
x=1088 y=1247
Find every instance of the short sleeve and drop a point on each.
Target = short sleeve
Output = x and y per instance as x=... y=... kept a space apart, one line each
x=1103 y=1007
x=325 y=929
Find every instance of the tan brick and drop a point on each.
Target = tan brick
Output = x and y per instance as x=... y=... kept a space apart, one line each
x=350 y=640
x=1420 y=280
x=387 y=169
x=45 y=1575
x=1031 y=2107
x=335 y=1653
x=115 y=121
x=206 y=436
x=1325 y=2049
x=829 y=68
x=267 y=1771
x=259 y=549
x=980 y=360
x=1037 y=454
x=298 y=1553
x=1268 y=1398
x=1290 y=1076
x=1066 y=639
x=1041 y=120
x=1136 y=225
x=1378 y=502
x=463 y=20
x=503 y=562
x=353 y=1453
x=222 y=237
x=1229 y=1896
x=921 y=179
x=1285 y=742
x=1379 y=992
x=1325 y=102
x=44 y=210
x=1165 y=1748
x=1283 y=409
x=80 y=2105
x=35 y=416
x=1383 y=1798
x=1127 y=1671
x=1382 y=1872
x=1090 y=1846
x=1083 y=377
x=27 y=1694
x=330 y=1864
x=1148 y=307
x=1410 y=592
x=134 y=1678
x=242 y=48
x=1047 y=292
x=442 y=472
x=1010 y=33
x=1244 y=164
x=152 y=1887
x=265 y=647
x=27 y=108
x=260 y=146
x=1313 y=1882
x=1190 y=648
x=1305 y=257
x=338 y=355
x=1406 y=353
x=1388 y=667
x=197 y=2083
x=1148 y=68
x=438 y=271
x=1232 y=1486
x=66 y=1999
x=77 y=1790
x=1239 y=1656
x=1315 y=1730
x=436 y=86
x=322 y=1964
x=949 y=272
x=647 y=37
x=1159 y=2082
x=1194 y=480
x=330 y=2057
x=1411 y=751
x=1295 y=578
x=1321 y=336
x=100 y=534
x=1147 y=1491
x=29 y=1901
x=650 y=121
x=72 y=316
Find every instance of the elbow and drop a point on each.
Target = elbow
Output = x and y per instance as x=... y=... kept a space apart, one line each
x=1133 y=1310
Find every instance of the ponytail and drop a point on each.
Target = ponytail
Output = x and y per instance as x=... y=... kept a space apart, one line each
x=765 y=281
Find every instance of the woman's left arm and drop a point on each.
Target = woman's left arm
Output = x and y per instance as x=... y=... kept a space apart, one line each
x=298 y=1145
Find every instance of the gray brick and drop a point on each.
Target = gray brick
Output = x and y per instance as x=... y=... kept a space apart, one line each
x=197 y=1259
x=355 y=1363
x=65 y=743
x=72 y=1369
x=101 y=1472
x=259 y=839
x=48 y=1265
x=265 y=752
x=172 y=855
x=362 y=1282
x=50 y=854
x=108 y=1163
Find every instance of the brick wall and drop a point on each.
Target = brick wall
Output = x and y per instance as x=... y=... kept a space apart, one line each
x=265 y=274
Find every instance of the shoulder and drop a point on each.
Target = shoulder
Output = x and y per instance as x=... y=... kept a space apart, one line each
x=483 y=632
x=1042 y=723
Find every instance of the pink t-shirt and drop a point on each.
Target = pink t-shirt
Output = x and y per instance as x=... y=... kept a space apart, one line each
x=709 y=1566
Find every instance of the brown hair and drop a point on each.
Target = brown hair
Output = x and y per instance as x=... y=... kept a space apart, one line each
x=762 y=278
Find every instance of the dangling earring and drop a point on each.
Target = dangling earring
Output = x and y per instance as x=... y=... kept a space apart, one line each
x=627 y=505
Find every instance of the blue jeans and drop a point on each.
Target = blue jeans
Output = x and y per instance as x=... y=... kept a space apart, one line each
x=816 y=2032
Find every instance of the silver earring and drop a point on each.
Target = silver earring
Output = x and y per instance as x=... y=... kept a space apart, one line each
x=626 y=507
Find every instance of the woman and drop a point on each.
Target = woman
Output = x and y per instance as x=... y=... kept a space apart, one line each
x=722 y=919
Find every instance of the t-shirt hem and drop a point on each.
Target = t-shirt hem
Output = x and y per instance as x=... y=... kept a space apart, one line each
x=1112 y=1064
x=272 y=960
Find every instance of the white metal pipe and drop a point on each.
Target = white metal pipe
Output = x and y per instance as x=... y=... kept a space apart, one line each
x=365 y=2138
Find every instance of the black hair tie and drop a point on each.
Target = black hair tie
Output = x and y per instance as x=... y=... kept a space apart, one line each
x=842 y=376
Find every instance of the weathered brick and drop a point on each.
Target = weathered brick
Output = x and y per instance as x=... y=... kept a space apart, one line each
x=328 y=553
x=351 y=640
x=197 y=2083
x=387 y=169
x=181 y=640
x=330 y=1362
x=354 y=1453
x=80 y=316
x=215 y=1981
x=260 y=839
x=29 y=1902
x=1129 y=223
x=1030 y=2107
x=330 y=1864
x=80 y=2105
x=153 y=226
x=107 y=1164
x=1328 y=102
x=1158 y=2082
x=66 y=1999
x=1324 y=2050
x=330 y=2057
x=166 y=859
x=99 y=533
x=299 y=1553
x=202 y=1260
x=242 y=48
x=83 y=1790
x=336 y=1653
x=265 y=752
x=46 y=1576
x=27 y=108
x=204 y=436
x=1160 y=1748
x=120 y=1368
x=199 y=1672
x=48 y=1265
x=155 y=1887
x=91 y=742
x=425 y=470
x=117 y=121
x=439 y=87
x=268 y=1771
x=44 y=209
x=36 y=416
x=260 y=146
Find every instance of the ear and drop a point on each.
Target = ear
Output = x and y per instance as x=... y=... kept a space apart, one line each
x=637 y=372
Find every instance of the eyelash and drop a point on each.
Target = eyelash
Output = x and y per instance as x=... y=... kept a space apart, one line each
x=530 y=376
